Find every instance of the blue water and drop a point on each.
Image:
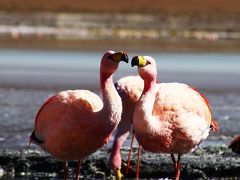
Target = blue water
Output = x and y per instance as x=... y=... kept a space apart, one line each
x=28 y=78
x=78 y=61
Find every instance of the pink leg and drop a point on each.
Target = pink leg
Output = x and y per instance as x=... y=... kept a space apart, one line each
x=177 y=175
x=138 y=161
x=174 y=161
x=129 y=154
x=78 y=170
x=65 y=170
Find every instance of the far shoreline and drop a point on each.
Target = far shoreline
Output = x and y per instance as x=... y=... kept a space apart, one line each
x=174 y=46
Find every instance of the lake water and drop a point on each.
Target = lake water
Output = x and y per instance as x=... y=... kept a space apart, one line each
x=28 y=78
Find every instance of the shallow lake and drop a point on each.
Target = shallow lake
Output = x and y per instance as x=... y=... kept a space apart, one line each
x=28 y=78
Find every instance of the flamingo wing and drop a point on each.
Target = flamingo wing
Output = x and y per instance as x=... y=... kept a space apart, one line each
x=84 y=98
x=64 y=104
x=33 y=138
x=213 y=122
x=181 y=111
x=130 y=87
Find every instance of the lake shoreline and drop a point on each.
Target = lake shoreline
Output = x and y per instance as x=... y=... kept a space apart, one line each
x=207 y=162
x=181 y=46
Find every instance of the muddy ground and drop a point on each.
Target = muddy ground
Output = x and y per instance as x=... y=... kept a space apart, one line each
x=204 y=163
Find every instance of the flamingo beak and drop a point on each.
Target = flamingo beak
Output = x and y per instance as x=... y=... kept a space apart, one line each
x=135 y=61
x=119 y=56
x=139 y=61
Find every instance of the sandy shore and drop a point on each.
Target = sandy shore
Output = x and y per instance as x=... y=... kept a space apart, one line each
x=204 y=163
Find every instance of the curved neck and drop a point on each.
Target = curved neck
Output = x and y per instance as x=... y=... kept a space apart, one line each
x=143 y=116
x=112 y=104
x=148 y=95
x=149 y=87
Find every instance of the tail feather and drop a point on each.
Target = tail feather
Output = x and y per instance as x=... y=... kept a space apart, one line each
x=34 y=139
x=215 y=126
x=235 y=145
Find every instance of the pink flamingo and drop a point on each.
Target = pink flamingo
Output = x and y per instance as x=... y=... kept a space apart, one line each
x=75 y=123
x=235 y=145
x=169 y=118
x=130 y=89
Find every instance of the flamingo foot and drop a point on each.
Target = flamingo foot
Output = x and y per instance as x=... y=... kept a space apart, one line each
x=118 y=174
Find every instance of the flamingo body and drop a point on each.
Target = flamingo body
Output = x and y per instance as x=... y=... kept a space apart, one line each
x=169 y=117
x=181 y=120
x=70 y=115
x=129 y=89
x=73 y=124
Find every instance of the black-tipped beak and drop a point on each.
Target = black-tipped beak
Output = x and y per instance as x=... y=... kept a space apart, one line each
x=139 y=61
x=135 y=61
x=125 y=57
x=119 y=56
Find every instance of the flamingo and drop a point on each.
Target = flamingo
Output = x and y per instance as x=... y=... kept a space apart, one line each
x=235 y=145
x=73 y=124
x=169 y=118
x=129 y=88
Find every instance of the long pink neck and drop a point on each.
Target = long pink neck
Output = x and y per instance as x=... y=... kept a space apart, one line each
x=149 y=94
x=105 y=79
x=112 y=105
x=143 y=117
x=148 y=87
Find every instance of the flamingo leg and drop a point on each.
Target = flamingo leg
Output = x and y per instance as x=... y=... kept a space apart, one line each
x=130 y=152
x=177 y=173
x=138 y=161
x=65 y=170
x=78 y=169
x=174 y=161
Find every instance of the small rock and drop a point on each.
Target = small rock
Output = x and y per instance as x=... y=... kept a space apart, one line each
x=1 y=171
x=99 y=175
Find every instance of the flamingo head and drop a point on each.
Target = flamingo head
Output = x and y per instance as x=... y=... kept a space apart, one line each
x=111 y=60
x=147 y=68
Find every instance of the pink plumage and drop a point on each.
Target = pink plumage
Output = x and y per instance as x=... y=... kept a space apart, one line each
x=170 y=101
x=169 y=117
x=179 y=118
x=73 y=124
x=130 y=89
